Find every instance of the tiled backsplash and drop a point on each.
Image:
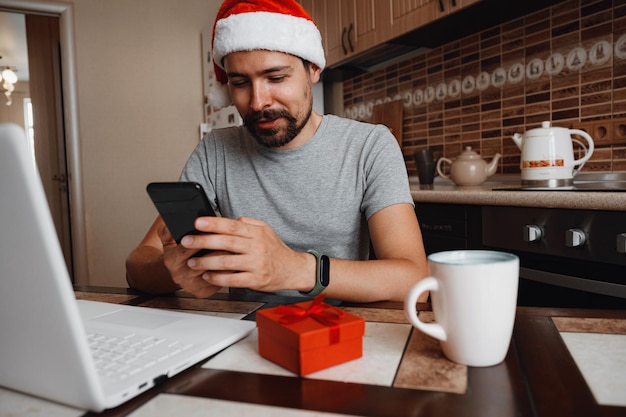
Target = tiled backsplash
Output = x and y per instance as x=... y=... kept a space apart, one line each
x=565 y=63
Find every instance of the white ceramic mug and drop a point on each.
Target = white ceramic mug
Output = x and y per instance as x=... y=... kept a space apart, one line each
x=474 y=297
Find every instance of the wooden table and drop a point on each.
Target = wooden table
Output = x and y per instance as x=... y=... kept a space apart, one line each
x=538 y=377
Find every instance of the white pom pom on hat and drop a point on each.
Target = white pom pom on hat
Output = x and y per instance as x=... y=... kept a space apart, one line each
x=248 y=25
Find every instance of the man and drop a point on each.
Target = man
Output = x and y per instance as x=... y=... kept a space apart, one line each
x=300 y=194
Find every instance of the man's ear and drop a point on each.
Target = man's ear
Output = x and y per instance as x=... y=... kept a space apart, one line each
x=314 y=72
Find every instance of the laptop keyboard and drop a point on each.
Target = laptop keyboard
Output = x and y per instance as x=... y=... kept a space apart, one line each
x=119 y=357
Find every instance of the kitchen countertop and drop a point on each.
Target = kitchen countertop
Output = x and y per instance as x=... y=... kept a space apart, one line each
x=445 y=191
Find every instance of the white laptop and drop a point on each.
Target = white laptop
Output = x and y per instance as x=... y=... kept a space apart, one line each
x=44 y=346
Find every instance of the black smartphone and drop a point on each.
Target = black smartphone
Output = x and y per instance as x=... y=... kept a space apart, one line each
x=180 y=204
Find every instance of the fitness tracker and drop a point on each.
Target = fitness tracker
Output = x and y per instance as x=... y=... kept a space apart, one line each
x=322 y=275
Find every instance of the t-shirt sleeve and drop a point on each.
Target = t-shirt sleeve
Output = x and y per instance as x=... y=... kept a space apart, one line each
x=387 y=181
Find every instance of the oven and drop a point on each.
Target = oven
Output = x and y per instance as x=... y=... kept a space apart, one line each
x=568 y=257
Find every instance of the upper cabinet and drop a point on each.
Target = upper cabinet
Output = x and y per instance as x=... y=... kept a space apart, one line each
x=350 y=27
x=347 y=26
x=407 y=15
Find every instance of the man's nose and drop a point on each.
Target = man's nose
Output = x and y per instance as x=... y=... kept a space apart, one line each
x=260 y=96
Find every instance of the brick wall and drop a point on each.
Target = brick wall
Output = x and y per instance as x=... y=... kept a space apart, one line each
x=565 y=63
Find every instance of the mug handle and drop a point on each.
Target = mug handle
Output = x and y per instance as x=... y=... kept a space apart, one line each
x=432 y=329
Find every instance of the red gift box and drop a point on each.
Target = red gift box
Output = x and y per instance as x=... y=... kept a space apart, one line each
x=310 y=336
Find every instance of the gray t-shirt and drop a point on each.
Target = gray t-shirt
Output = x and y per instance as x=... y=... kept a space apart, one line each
x=317 y=196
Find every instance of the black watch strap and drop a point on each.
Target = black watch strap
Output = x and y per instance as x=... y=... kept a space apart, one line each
x=322 y=274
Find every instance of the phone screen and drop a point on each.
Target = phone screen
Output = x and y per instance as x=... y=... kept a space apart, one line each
x=180 y=204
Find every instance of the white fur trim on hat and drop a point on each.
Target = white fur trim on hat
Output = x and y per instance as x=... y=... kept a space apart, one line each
x=219 y=96
x=270 y=31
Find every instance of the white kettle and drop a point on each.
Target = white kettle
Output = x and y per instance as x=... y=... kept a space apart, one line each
x=548 y=155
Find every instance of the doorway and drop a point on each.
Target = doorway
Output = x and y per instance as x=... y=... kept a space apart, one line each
x=41 y=102
x=49 y=131
x=54 y=99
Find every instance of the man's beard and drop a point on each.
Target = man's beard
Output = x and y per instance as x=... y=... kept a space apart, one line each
x=272 y=138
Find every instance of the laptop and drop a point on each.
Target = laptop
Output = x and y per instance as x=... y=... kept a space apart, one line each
x=47 y=337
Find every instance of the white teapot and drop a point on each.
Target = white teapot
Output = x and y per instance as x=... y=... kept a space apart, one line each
x=548 y=155
x=469 y=168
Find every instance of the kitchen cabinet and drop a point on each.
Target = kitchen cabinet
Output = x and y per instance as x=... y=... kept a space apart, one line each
x=348 y=27
x=410 y=14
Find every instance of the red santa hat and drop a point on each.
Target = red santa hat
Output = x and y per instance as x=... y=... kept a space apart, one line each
x=247 y=25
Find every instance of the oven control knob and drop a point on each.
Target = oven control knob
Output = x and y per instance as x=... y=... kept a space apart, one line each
x=621 y=243
x=575 y=237
x=532 y=233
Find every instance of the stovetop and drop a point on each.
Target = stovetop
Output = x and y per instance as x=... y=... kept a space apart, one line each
x=585 y=181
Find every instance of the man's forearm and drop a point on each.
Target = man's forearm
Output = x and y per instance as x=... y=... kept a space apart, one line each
x=145 y=271
x=378 y=280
